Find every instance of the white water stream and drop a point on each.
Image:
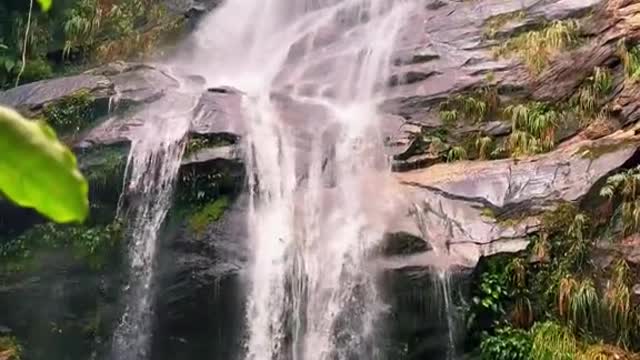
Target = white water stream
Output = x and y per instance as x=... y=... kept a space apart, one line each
x=317 y=176
x=152 y=167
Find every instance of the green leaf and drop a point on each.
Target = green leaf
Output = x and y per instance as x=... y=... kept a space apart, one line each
x=38 y=171
x=45 y=4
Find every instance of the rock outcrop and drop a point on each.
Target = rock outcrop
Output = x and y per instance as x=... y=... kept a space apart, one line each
x=474 y=209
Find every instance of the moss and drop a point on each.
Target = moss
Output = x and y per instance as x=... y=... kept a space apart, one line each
x=496 y=23
x=207 y=214
x=93 y=245
x=72 y=113
x=10 y=349
x=535 y=48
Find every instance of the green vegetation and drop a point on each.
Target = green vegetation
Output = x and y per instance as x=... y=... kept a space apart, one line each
x=625 y=185
x=10 y=349
x=474 y=107
x=533 y=128
x=37 y=171
x=630 y=58
x=586 y=102
x=535 y=48
x=554 y=299
x=484 y=146
x=456 y=153
x=552 y=341
x=71 y=114
x=95 y=245
x=79 y=32
x=207 y=214
x=507 y=344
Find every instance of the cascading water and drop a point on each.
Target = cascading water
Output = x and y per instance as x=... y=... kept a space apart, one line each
x=317 y=181
x=154 y=160
x=442 y=272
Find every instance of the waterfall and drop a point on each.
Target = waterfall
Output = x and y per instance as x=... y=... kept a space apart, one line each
x=313 y=72
x=429 y=224
x=154 y=160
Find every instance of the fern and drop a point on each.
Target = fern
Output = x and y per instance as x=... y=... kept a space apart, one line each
x=535 y=48
x=456 y=153
x=484 y=145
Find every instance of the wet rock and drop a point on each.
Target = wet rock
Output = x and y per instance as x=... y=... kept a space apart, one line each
x=474 y=209
x=448 y=40
x=30 y=98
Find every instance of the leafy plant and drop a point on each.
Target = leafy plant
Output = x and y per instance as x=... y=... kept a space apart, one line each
x=456 y=153
x=484 y=146
x=474 y=107
x=617 y=300
x=627 y=185
x=578 y=303
x=490 y=297
x=506 y=344
x=631 y=60
x=536 y=47
x=586 y=101
x=533 y=128
x=552 y=341
x=37 y=171
x=82 y=26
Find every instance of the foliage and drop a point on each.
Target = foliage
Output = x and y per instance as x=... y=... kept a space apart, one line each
x=91 y=244
x=12 y=41
x=37 y=171
x=109 y=30
x=536 y=47
x=72 y=113
x=490 y=296
x=10 y=349
x=604 y=352
x=474 y=107
x=552 y=341
x=578 y=303
x=506 y=344
x=533 y=128
x=585 y=102
x=484 y=146
x=81 y=26
x=617 y=299
x=631 y=60
x=626 y=184
x=456 y=153
x=207 y=214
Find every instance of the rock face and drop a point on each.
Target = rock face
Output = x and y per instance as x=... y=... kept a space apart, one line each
x=475 y=209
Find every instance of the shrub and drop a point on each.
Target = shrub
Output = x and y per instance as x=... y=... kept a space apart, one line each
x=552 y=341
x=506 y=344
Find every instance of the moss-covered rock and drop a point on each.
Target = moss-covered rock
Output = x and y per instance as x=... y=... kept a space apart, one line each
x=71 y=113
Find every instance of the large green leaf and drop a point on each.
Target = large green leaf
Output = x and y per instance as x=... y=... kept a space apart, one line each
x=38 y=171
x=45 y=4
